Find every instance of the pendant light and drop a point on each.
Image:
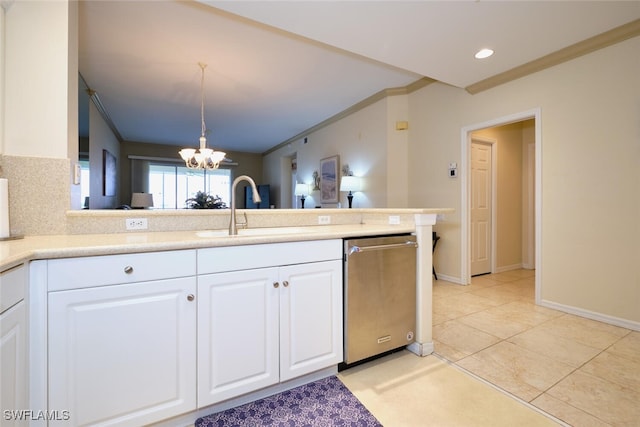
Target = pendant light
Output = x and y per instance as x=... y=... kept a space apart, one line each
x=204 y=158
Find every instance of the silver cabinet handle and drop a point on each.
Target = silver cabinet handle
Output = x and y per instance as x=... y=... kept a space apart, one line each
x=285 y=283
x=276 y=284
x=128 y=269
x=190 y=297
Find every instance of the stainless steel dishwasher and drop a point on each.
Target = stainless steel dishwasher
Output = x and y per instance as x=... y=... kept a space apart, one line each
x=379 y=295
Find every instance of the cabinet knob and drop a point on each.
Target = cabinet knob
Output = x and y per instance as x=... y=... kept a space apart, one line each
x=191 y=297
x=285 y=283
x=128 y=269
x=276 y=284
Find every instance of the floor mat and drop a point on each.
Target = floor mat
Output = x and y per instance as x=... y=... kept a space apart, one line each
x=326 y=402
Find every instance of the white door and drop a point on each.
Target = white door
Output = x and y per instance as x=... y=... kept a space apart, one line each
x=310 y=317
x=123 y=355
x=237 y=333
x=480 y=208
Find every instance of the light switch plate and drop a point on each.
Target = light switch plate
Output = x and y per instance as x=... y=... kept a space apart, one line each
x=77 y=172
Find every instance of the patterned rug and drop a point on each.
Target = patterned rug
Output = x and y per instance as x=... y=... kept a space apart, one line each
x=326 y=402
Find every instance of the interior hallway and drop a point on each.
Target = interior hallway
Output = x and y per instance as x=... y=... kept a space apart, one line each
x=580 y=371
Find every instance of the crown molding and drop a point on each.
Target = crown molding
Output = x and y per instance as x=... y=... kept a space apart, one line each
x=418 y=84
x=608 y=38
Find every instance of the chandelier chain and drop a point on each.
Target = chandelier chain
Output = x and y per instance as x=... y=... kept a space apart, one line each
x=204 y=158
x=204 y=126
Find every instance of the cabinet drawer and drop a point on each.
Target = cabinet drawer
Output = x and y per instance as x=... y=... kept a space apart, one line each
x=233 y=258
x=12 y=287
x=75 y=273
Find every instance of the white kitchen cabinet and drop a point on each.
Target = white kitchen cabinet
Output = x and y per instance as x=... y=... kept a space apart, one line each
x=310 y=317
x=13 y=346
x=135 y=339
x=261 y=326
x=122 y=354
x=238 y=333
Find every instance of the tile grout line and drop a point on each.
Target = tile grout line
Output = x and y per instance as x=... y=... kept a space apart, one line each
x=518 y=297
x=501 y=390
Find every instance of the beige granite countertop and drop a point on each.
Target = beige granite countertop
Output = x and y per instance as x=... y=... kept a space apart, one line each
x=93 y=233
x=30 y=248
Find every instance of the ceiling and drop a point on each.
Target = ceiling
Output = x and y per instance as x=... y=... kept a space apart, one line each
x=277 y=68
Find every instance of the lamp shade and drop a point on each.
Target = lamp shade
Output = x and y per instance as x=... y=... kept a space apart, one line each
x=302 y=189
x=350 y=183
x=141 y=200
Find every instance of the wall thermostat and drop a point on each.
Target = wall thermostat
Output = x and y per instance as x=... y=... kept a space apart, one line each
x=453 y=170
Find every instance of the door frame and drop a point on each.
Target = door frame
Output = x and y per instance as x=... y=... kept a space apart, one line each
x=494 y=193
x=465 y=184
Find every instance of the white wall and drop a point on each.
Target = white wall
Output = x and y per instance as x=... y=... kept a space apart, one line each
x=590 y=172
x=361 y=141
x=37 y=75
x=39 y=109
x=3 y=61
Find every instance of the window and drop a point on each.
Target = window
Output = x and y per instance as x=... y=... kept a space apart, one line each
x=172 y=185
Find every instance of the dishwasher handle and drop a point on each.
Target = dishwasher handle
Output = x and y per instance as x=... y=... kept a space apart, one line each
x=358 y=249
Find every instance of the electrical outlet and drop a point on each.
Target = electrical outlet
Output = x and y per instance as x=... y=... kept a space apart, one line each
x=136 y=223
x=394 y=219
x=324 y=219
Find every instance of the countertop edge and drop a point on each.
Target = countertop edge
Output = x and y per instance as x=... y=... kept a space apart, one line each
x=68 y=246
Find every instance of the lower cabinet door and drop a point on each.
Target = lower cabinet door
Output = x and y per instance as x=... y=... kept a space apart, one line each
x=13 y=363
x=310 y=318
x=237 y=333
x=124 y=354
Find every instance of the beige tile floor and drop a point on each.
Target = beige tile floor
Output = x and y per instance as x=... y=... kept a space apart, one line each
x=584 y=372
x=500 y=360
x=404 y=390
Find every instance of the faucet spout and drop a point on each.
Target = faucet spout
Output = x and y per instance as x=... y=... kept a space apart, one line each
x=233 y=227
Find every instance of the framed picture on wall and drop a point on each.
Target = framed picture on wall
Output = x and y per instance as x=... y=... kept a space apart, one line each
x=108 y=174
x=329 y=191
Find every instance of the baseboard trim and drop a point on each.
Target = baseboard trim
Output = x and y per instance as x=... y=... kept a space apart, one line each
x=451 y=279
x=189 y=418
x=611 y=320
x=421 y=349
x=509 y=268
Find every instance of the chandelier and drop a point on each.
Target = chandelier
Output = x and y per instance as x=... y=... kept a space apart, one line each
x=204 y=158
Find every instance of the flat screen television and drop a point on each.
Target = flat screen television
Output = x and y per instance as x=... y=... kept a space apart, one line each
x=263 y=190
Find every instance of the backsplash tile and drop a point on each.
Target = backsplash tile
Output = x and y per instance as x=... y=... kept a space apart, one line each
x=39 y=195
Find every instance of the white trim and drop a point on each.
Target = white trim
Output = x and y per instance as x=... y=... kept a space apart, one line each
x=451 y=279
x=465 y=152
x=529 y=216
x=611 y=320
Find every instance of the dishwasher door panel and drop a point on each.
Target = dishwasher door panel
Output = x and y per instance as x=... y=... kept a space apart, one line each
x=380 y=295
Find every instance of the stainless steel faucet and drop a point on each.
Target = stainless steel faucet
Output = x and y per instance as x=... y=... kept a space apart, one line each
x=233 y=227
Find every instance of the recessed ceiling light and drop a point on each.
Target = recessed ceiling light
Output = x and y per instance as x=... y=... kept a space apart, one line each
x=484 y=53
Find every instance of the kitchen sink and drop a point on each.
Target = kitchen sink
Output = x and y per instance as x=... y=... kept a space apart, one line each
x=266 y=231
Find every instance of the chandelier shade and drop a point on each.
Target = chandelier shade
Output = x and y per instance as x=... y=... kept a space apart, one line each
x=202 y=158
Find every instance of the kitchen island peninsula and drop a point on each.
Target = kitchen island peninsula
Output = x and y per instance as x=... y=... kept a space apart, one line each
x=181 y=319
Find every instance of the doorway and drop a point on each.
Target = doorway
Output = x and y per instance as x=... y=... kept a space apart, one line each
x=530 y=230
